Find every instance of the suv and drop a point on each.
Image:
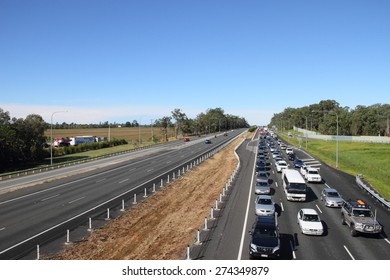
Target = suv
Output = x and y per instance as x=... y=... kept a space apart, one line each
x=312 y=175
x=359 y=217
x=264 y=241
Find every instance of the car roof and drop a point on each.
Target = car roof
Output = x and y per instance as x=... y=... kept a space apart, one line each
x=264 y=196
x=309 y=211
x=266 y=221
x=330 y=190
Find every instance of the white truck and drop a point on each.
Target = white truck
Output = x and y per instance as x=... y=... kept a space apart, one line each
x=74 y=141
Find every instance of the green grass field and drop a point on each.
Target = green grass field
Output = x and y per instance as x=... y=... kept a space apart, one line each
x=370 y=159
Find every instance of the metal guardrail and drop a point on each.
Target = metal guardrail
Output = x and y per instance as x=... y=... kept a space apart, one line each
x=371 y=191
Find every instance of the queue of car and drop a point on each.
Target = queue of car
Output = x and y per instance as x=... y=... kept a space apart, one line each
x=264 y=241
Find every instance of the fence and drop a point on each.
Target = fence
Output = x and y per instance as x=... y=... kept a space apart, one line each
x=316 y=136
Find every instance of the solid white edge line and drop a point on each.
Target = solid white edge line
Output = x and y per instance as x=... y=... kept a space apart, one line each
x=247 y=210
x=349 y=253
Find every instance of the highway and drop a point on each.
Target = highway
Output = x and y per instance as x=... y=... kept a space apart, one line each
x=228 y=239
x=42 y=212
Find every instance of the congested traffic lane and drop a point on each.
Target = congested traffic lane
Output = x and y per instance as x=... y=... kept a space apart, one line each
x=337 y=243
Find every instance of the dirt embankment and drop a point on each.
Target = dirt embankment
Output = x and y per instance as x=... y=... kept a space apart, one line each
x=163 y=225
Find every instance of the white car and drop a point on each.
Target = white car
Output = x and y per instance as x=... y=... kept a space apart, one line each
x=289 y=150
x=312 y=175
x=280 y=165
x=309 y=222
x=264 y=205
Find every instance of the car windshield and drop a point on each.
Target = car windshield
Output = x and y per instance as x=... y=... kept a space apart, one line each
x=265 y=201
x=333 y=194
x=313 y=172
x=311 y=218
x=362 y=213
x=262 y=184
x=264 y=232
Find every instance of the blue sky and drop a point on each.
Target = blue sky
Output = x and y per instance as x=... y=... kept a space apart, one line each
x=121 y=61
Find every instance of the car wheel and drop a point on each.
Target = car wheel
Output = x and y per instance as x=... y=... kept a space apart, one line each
x=353 y=231
x=343 y=220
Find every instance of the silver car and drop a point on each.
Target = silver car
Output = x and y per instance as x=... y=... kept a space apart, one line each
x=331 y=198
x=264 y=205
x=262 y=187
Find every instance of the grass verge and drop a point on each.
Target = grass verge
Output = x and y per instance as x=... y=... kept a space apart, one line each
x=369 y=159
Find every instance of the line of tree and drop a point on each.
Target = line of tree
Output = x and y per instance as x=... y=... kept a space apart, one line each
x=322 y=117
x=213 y=120
x=22 y=141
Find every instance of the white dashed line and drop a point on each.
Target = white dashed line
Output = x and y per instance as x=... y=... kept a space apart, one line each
x=124 y=181
x=318 y=208
x=73 y=201
x=47 y=198
x=349 y=253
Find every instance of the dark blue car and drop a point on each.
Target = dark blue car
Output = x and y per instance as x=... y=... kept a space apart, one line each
x=298 y=163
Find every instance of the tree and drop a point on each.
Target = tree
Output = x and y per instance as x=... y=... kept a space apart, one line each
x=179 y=117
x=164 y=123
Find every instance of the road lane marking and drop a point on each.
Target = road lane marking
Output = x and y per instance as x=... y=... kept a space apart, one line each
x=98 y=181
x=281 y=205
x=276 y=184
x=247 y=211
x=124 y=181
x=293 y=250
x=387 y=240
x=318 y=208
x=149 y=170
x=73 y=201
x=47 y=198
x=349 y=253
x=2 y=228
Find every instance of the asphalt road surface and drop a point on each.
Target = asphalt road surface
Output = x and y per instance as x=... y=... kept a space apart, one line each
x=39 y=213
x=228 y=239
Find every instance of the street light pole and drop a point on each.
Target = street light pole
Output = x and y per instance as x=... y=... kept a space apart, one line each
x=306 y=133
x=51 y=135
x=337 y=134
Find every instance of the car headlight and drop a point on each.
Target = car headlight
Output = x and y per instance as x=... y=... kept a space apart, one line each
x=378 y=227
x=276 y=248
x=359 y=225
x=253 y=247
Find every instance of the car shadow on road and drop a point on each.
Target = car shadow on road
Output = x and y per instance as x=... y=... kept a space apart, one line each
x=286 y=246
